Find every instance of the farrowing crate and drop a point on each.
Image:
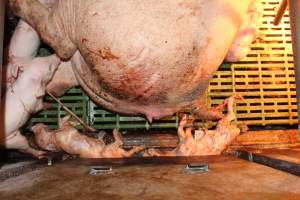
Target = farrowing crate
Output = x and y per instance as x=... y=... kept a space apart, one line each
x=265 y=79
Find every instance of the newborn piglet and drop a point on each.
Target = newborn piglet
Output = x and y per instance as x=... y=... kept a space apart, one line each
x=25 y=97
x=205 y=142
x=70 y=140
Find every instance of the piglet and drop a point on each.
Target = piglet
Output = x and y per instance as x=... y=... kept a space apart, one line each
x=205 y=142
x=25 y=97
x=24 y=44
x=70 y=140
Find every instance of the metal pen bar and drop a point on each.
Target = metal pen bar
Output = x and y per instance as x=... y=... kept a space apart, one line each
x=280 y=12
x=160 y=160
x=2 y=12
x=85 y=126
x=294 y=8
x=283 y=165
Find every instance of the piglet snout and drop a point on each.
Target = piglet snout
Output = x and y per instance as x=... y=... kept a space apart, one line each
x=52 y=61
x=45 y=67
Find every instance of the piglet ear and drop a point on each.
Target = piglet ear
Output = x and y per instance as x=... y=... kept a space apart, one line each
x=16 y=65
x=40 y=92
x=13 y=70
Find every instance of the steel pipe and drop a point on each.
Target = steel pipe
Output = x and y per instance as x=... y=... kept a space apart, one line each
x=280 y=12
x=2 y=12
x=294 y=8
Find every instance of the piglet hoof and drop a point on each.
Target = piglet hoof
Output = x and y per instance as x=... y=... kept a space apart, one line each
x=36 y=153
x=238 y=97
x=39 y=154
x=150 y=153
x=183 y=121
x=221 y=107
x=134 y=150
x=139 y=148
x=260 y=36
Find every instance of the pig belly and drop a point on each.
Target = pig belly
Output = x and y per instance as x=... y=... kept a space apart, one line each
x=156 y=68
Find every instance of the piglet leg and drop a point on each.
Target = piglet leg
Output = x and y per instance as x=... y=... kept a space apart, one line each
x=180 y=131
x=119 y=143
x=230 y=112
x=118 y=138
x=202 y=112
x=24 y=42
x=132 y=151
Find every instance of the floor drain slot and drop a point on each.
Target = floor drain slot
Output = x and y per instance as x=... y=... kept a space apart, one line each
x=197 y=168
x=100 y=170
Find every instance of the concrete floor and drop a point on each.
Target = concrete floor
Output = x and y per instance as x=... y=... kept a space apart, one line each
x=233 y=179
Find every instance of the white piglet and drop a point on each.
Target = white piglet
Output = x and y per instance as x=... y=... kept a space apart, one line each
x=25 y=97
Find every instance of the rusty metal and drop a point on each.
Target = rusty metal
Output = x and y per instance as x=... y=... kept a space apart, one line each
x=255 y=139
x=267 y=137
x=280 y=12
x=294 y=8
x=163 y=139
x=291 y=155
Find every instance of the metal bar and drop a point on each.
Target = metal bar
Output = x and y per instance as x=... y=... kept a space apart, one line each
x=280 y=12
x=251 y=139
x=85 y=126
x=156 y=160
x=283 y=165
x=2 y=12
x=294 y=9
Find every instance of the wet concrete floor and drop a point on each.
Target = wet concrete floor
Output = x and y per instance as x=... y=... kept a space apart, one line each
x=232 y=179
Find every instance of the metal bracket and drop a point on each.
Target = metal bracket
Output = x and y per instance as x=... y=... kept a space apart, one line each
x=100 y=170
x=50 y=162
x=250 y=157
x=197 y=168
